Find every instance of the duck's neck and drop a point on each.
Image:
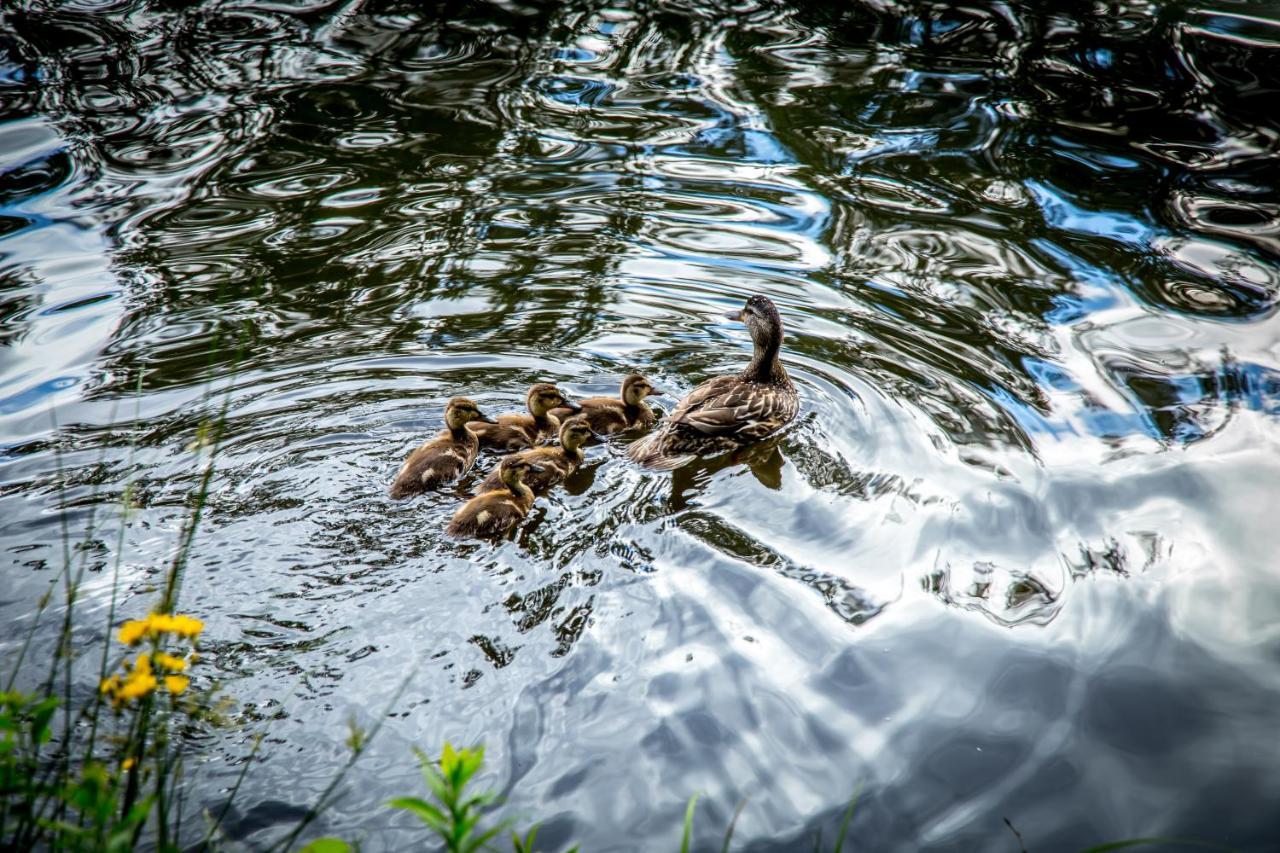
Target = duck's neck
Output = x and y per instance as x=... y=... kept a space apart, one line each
x=460 y=433
x=574 y=453
x=522 y=493
x=765 y=365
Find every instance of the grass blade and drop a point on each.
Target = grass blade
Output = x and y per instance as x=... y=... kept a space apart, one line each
x=688 y=823
x=848 y=816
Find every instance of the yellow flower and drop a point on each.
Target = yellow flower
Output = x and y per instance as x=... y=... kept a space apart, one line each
x=173 y=663
x=155 y=624
x=175 y=684
x=143 y=664
x=133 y=631
x=110 y=685
x=186 y=626
x=137 y=685
x=127 y=764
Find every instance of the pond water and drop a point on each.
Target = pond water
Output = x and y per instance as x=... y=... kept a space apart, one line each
x=1014 y=561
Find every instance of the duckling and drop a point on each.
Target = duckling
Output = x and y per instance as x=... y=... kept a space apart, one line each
x=493 y=514
x=444 y=458
x=728 y=411
x=557 y=462
x=518 y=431
x=608 y=415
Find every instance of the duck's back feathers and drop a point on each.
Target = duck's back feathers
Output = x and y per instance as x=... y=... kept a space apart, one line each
x=608 y=415
x=556 y=465
x=720 y=414
x=435 y=463
x=489 y=515
x=514 y=431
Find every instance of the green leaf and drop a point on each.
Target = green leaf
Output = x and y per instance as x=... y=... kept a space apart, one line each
x=40 y=717
x=1136 y=842
x=688 y=823
x=469 y=761
x=733 y=821
x=327 y=845
x=436 y=782
x=524 y=845
x=427 y=813
x=848 y=816
x=479 y=842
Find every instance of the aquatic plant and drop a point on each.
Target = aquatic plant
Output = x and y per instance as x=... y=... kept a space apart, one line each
x=454 y=814
x=100 y=769
x=72 y=778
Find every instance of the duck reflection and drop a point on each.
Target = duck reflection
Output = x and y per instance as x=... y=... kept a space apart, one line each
x=763 y=459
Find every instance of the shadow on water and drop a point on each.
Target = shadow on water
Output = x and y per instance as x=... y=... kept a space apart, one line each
x=1012 y=560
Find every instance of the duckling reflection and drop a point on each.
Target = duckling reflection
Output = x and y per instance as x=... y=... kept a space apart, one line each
x=557 y=463
x=493 y=514
x=628 y=410
x=518 y=430
x=728 y=411
x=444 y=458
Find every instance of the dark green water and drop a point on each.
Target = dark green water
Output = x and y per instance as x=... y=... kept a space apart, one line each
x=1015 y=560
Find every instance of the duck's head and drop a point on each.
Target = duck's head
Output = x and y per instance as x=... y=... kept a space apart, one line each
x=762 y=319
x=574 y=432
x=544 y=397
x=635 y=388
x=512 y=471
x=460 y=411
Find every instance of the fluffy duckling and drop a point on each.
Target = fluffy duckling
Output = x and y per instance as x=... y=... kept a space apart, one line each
x=492 y=514
x=728 y=411
x=557 y=463
x=444 y=458
x=518 y=431
x=608 y=415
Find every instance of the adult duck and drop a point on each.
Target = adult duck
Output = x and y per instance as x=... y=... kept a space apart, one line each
x=728 y=411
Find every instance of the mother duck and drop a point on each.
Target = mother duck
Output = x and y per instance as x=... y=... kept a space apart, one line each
x=728 y=411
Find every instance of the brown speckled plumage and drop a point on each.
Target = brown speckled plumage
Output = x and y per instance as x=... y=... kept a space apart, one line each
x=728 y=411
x=516 y=431
x=608 y=415
x=444 y=458
x=493 y=514
x=557 y=463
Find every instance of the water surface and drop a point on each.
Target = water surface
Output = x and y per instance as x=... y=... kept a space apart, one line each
x=1014 y=561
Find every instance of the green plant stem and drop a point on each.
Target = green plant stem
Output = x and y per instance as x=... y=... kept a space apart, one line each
x=688 y=823
x=115 y=571
x=323 y=800
x=848 y=816
x=235 y=789
x=733 y=822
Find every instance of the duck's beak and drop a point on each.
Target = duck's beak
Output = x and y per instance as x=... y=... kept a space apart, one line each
x=734 y=315
x=571 y=406
x=652 y=391
x=537 y=469
x=481 y=417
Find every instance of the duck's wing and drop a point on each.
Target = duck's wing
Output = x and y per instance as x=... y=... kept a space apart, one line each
x=730 y=407
x=511 y=432
x=433 y=464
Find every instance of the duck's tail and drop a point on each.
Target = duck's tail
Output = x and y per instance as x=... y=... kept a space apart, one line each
x=655 y=451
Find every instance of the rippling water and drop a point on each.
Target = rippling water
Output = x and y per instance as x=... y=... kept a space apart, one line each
x=1014 y=560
